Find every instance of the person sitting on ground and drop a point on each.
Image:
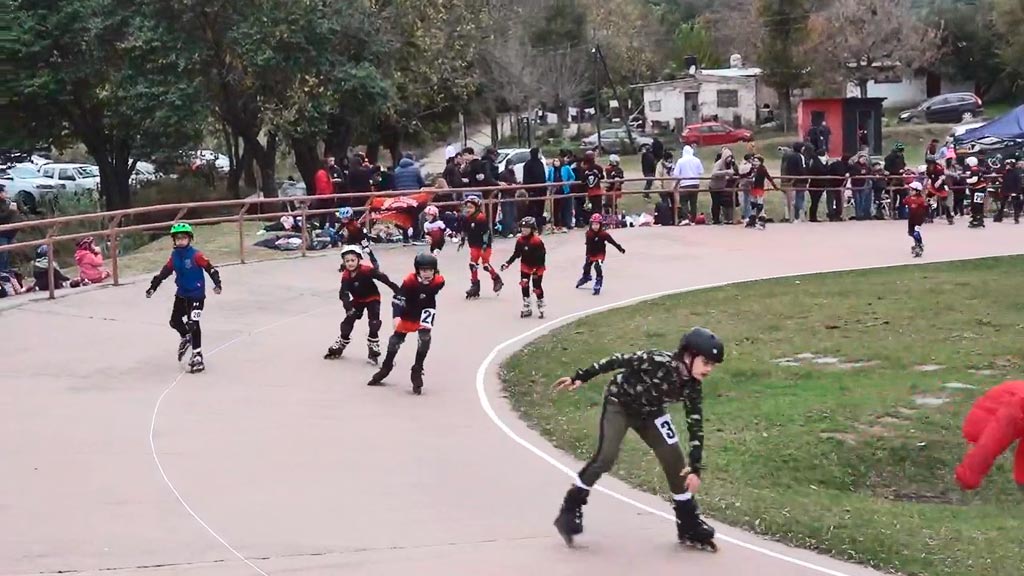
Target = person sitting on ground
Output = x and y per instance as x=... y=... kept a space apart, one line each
x=12 y=283
x=89 y=259
x=41 y=274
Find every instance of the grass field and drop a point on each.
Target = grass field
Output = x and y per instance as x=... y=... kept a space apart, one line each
x=852 y=454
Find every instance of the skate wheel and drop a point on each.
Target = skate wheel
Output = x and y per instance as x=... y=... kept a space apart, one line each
x=709 y=546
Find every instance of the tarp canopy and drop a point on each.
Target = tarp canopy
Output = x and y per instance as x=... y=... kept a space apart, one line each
x=1009 y=126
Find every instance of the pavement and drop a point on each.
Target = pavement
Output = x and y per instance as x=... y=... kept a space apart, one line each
x=275 y=461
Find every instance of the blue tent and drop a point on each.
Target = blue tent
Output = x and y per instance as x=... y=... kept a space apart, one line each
x=1009 y=126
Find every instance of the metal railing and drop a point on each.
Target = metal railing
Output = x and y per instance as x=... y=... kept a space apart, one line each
x=109 y=223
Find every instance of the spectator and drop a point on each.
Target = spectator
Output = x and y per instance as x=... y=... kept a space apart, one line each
x=932 y=151
x=452 y=173
x=41 y=273
x=89 y=259
x=687 y=173
x=613 y=172
x=360 y=179
x=723 y=174
x=813 y=137
x=509 y=208
x=793 y=171
x=824 y=134
x=408 y=175
x=649 y=166
x=323 y=187
x=11 y=284
x=746 y=174
x=879 y=183
x=8 y=215
x=665 y=166
x=839 y=172
x=818 y=182
x=658 y=149
x=561 y=173
x=860 y=184
x=534 y=172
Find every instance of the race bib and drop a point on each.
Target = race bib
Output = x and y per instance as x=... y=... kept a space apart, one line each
x=979 y=197
x=195 y=315
x=668 y=432
x=427 y=317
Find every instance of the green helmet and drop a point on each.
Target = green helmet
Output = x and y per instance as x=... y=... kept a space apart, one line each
x=899 y=147
x=182 y=228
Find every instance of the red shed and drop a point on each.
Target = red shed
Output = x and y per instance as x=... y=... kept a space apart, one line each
x=855 y=122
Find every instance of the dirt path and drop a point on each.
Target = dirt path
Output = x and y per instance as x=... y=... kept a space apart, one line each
x=292 y=463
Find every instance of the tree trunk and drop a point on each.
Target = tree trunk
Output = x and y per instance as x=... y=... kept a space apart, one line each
x=373 y=153
x=862 y=87
x=494 y=130
x=307 y=161
x=785 y=107
x=266 y=159
x=395 y=148
x=115 y=174
x=338 y=139
x=248 y=168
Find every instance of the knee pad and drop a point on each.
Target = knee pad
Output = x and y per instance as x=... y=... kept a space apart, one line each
x=524 y=283
x=355 y=312
x=375 y=325
x=424 y=338
x=487 y=267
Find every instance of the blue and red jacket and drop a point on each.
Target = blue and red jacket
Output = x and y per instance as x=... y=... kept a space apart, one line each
x=188 y=265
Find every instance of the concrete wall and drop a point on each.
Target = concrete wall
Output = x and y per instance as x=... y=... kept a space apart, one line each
x=910 y=92
x=671 y=97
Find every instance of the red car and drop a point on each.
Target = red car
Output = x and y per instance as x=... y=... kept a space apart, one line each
x=714 y=134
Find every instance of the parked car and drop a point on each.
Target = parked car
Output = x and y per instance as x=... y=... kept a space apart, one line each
x=714 y=134
x=515 y=157
x=29 y=188
x=145 y=172
x=221 y=162
x=613 y=140
x=77 y=177
x=945 y=109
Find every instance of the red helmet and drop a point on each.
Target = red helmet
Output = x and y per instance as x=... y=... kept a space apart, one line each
x=596 y=218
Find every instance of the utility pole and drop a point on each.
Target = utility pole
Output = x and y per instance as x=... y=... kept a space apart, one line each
x=615 y=92
x=597 y=90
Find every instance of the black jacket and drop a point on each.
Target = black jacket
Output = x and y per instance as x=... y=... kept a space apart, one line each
x=648 y=163
x=534 y=171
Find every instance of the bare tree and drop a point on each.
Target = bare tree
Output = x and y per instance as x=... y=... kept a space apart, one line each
x=563 y=76
x=856 y=40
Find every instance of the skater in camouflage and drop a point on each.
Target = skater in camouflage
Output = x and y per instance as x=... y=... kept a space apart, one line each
x=188 y=265
x=636 y=398
x=360 y=295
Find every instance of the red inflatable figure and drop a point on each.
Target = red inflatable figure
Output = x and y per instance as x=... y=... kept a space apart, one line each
x=994 y=423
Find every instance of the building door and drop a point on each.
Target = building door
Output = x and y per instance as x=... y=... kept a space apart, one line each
x=866 y=131
x=691 y=108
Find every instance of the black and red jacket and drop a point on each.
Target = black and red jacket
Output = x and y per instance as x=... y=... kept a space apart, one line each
x=359 y=286
x=596 y=244
x=532 y=252
x=419 y=296
x=477 y=230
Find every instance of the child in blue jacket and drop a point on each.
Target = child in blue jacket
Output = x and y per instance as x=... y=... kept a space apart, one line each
x=187 y=264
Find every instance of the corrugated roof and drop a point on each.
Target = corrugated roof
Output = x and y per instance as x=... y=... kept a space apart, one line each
x=732 y=72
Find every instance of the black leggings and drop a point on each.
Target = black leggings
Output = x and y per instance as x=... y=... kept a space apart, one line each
x=596 y=265
x=395 y=343
x=538 y=288
x=185 y=316
x=355 y=313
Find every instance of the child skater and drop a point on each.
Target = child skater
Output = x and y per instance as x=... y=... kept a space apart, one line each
x=757 y=188
x=187 y=264
x=353 y=233
x=917 y=212
x=414 y=309
x=359 y=294
x=434 y=229
x=597 y=237
x=476 y=230
x=531 y=249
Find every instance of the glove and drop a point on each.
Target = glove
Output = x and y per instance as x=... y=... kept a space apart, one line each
x=461 y=244
x=149 y=293
x=398 y=301
x=504 y=267
x=622 y=250
x=217 y=290
x=365 y=244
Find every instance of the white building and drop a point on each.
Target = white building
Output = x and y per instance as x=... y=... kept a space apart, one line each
x=909 y=89
x=732 y=94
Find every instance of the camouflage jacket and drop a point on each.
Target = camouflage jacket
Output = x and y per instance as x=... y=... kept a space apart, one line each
x=648 y=380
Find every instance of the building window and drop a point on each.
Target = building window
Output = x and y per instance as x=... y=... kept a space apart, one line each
x=654 y=106
x=728 y=99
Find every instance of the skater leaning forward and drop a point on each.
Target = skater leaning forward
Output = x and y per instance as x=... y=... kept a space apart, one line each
x=188 y=266
x=597 y=239
x=415 y=309
x=359 y=295
x=530 y=248
x=476 y=230
x=636 y=398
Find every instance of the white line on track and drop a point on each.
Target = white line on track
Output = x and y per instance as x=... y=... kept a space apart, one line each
x=485 y=403
x=152 y=429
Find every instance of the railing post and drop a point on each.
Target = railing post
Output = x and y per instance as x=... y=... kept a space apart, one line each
x=241 y=234
x=114 y=250
x=49 y=267
x=305 y=228
x=675 y=206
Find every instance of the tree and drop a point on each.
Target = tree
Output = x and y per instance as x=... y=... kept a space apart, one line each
x=733 y=27
x=972 y=50
x=561 y=24
x=860 y=39
x=565 y=76
x=693 y=38
x=1009 y=19
x=275 y=71
x=433 y=50
x=90 y=71
x=624 y=29
x=781 y=48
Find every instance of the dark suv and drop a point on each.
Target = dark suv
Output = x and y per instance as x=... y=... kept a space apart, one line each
x=947 y=108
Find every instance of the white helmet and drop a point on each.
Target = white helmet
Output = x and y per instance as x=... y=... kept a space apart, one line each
x=614 y=159
x=352 y=249
x=915 y=185
x=972 y=161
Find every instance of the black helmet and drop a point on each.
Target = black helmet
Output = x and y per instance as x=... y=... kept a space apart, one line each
x=528 y=222
x=425 y=261
x=703 y=342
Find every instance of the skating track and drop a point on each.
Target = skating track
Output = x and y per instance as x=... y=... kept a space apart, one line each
x=275 y=461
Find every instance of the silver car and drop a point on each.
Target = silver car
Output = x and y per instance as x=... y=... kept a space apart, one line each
x=29 y=188
x=613 y=139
